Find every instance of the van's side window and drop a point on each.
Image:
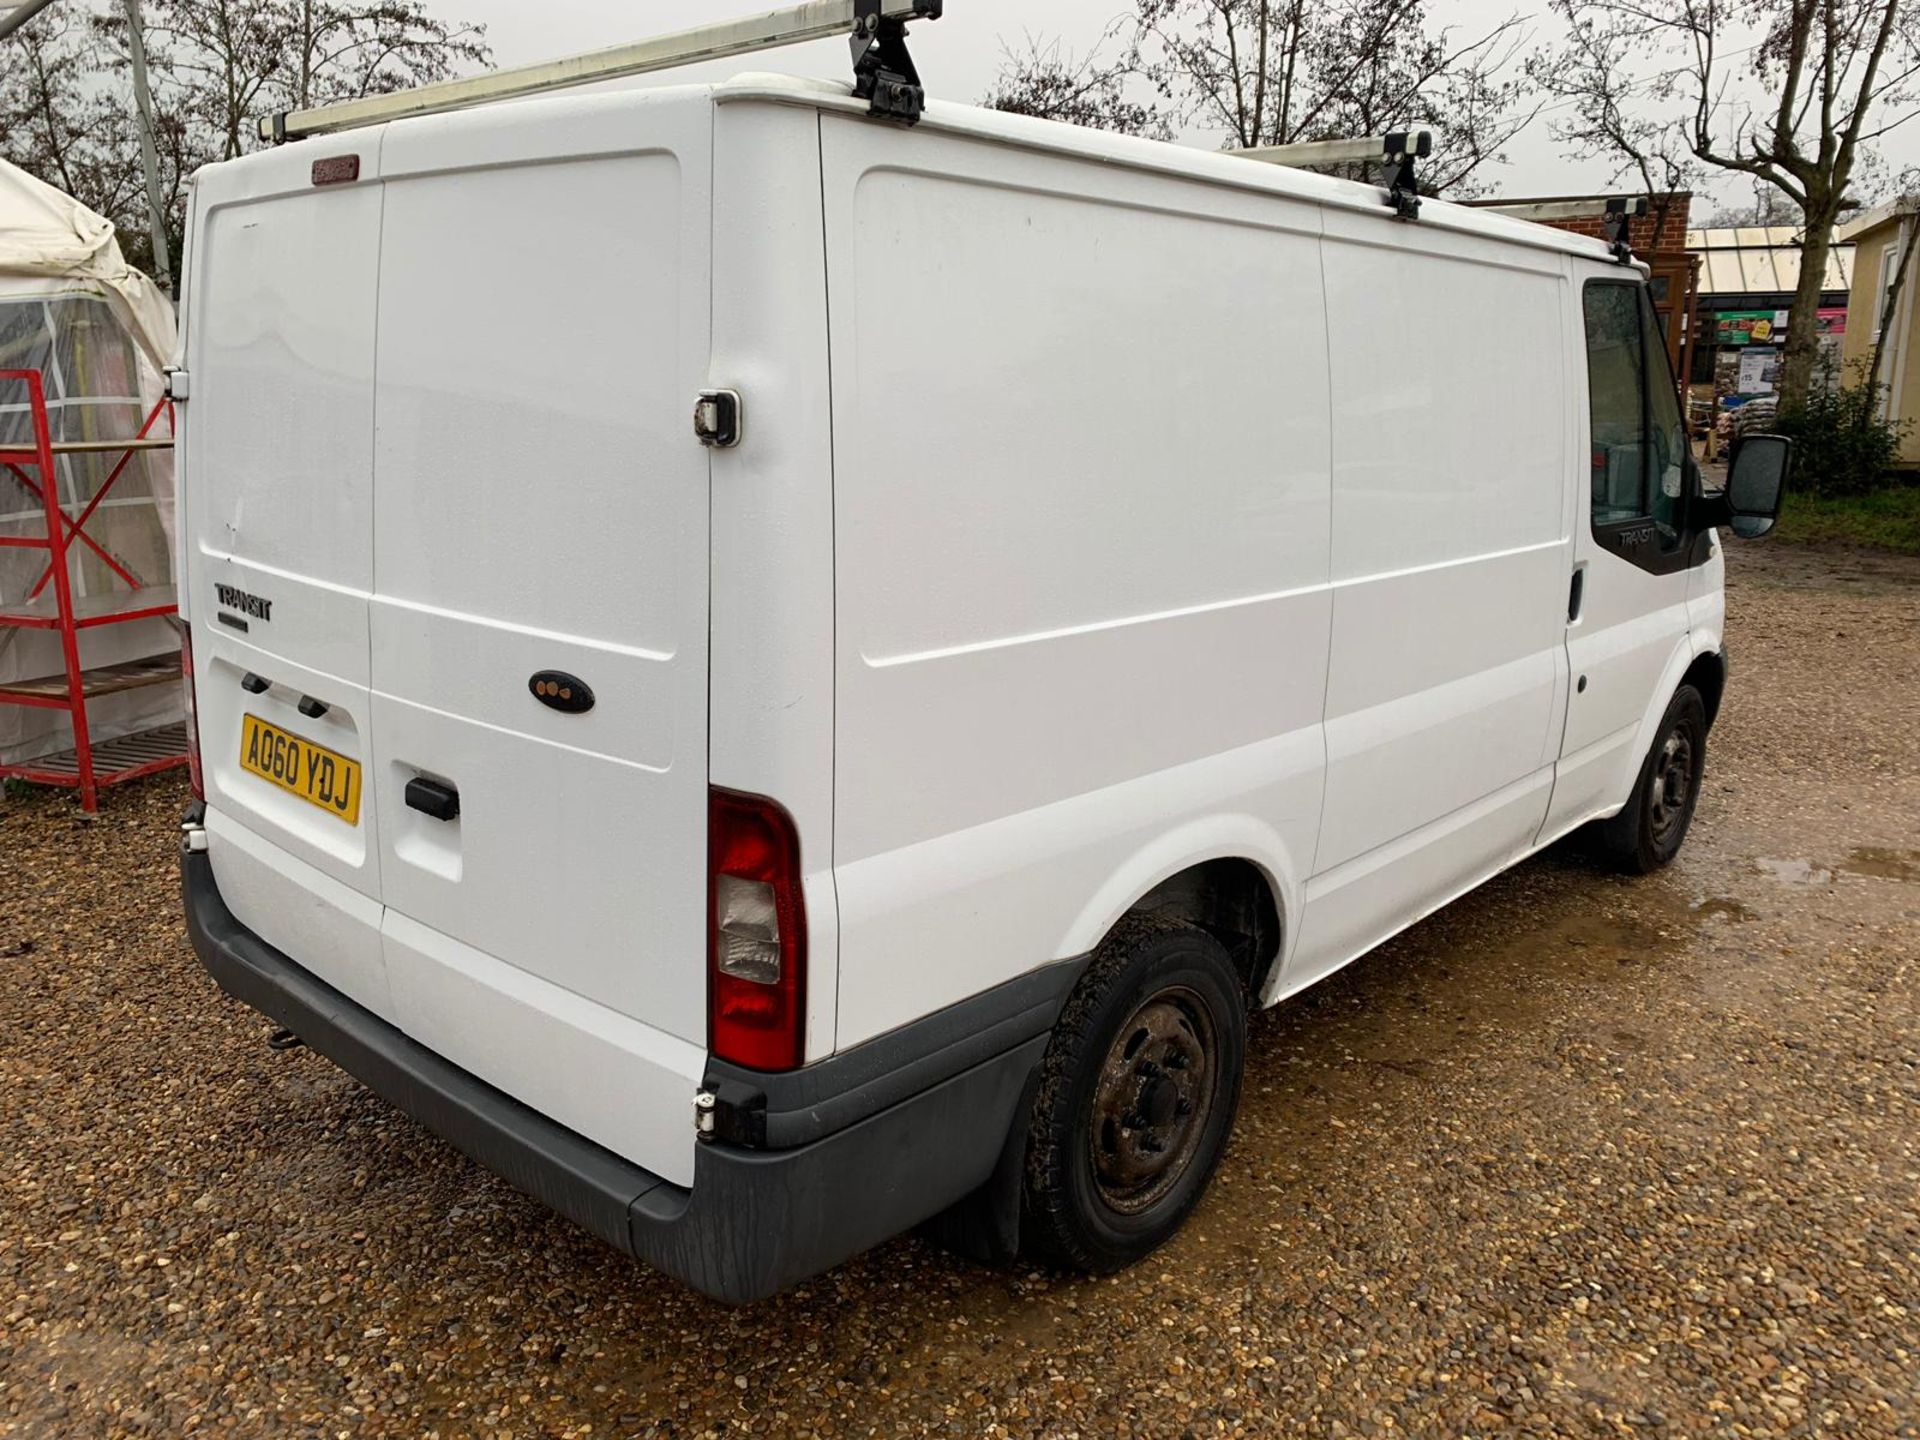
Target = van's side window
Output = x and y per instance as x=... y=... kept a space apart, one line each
x=1617 y=401
x=1667 y=482
x=1638 y=441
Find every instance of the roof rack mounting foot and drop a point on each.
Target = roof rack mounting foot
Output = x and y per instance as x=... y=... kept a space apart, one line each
x=1614 y=224
x=883 y=71
x=1397 y=170
x=1394 y=152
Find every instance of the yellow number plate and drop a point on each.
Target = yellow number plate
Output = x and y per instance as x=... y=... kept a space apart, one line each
x=300 y=767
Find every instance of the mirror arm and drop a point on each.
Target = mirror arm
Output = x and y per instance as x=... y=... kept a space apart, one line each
x=1709 y=510
x=1705 y=509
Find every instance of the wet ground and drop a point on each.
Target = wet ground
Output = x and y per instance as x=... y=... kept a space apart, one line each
x=1578 y=1156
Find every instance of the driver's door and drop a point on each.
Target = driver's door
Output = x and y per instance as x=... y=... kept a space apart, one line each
x=1627 y=599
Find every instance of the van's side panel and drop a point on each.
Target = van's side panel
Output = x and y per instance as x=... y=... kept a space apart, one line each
x=1081 y=495
x=1450 y=570
x=771 y=731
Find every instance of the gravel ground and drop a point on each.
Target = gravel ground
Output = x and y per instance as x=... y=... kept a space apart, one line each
x=1575 y=1157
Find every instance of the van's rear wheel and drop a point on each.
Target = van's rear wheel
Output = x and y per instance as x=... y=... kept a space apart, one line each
x=1649 y=829
x=1137 y=1095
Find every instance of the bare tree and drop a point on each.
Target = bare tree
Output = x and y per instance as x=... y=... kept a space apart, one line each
x=1790 y=94
x=55 y=114
x=1271 y=72
x=66 y=113
x=1769 y=208
x=1094 y=90
x=234 y=60
x=1601 y=119
x=66 y=116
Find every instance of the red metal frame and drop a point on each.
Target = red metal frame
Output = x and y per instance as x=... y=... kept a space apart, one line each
x=61 y=531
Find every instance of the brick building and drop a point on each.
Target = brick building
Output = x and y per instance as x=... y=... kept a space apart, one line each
x=1660 y=239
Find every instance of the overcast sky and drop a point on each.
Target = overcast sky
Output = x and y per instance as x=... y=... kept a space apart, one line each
x=959 y=56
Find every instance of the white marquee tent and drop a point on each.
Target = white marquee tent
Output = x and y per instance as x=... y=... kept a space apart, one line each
x=100 y=332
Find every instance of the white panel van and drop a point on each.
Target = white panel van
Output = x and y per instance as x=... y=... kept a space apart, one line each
x=774 y=676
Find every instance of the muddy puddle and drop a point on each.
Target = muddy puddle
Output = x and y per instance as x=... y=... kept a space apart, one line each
x=1793 y=872
x=1870 y=862
x=1878 y=863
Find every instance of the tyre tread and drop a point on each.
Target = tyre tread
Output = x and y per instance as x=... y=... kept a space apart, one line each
x=1049 y=1233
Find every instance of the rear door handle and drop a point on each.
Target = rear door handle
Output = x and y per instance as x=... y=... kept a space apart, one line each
x=430 y=797
x=1575 y=594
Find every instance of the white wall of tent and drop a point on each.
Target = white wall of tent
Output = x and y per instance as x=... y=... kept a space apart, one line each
x=100 y=333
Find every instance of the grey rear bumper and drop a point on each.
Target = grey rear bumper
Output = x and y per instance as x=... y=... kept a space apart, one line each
x=920 y=1122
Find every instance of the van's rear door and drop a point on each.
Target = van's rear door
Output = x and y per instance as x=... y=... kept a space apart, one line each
x=440 y=442
x=277 y=478
x=541 y=511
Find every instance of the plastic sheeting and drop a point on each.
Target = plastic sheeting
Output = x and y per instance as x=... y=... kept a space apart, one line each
x=47 y=234
x=99 y=332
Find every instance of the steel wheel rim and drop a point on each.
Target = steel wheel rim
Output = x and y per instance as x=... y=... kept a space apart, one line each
x=1153 y=1100
x=1670 y=786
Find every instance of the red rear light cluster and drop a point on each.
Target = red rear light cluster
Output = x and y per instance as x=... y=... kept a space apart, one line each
x=195 y=777
x=756 y=934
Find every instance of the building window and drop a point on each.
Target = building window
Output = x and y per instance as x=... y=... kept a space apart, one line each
x=1888 y=254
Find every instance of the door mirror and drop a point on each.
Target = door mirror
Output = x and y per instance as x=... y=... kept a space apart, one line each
x=1755 y=483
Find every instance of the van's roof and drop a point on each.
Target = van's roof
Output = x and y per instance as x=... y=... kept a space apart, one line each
x=999 y=127
x=1211 y=166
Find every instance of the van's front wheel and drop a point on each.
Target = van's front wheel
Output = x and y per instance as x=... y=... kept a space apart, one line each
x=1647 y=832
x=1137 y=1095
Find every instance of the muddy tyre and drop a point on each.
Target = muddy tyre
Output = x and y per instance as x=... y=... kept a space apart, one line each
x=1648 y=831
x=1137 y=1095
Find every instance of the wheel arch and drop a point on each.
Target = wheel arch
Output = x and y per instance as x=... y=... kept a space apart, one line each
x=1708 y=675
x=1230 y=876
x=1691 y=656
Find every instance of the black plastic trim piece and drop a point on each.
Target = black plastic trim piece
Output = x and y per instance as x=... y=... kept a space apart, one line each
x=1637 y=542
x=433 y=798
x=803 y=1105
x=1716 y=700
x=754 y=1221
x=883 y=72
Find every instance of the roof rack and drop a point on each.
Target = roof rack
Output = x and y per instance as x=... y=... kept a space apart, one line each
x=884 y=75
x=1614 y=212
x=1394 y=152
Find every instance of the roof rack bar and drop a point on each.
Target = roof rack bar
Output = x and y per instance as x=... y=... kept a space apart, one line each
x=793 y=25
x=1544 y=210
x=1394 y=152
x=1359 y=150
x=1615 y=213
